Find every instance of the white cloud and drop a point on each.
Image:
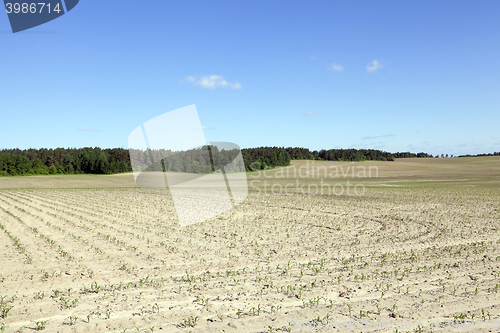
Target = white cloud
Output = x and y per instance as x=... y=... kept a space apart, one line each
x=375 y=65
x=212 y=82
x=312 y=114
x=371 y=137
x=207 y=127
x=336 y=68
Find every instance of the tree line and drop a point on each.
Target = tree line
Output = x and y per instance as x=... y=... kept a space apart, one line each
x=497 y=153
x=43 y=161
x=203 y=160
x=263 y=157
x=410 y=155
x=109 y=161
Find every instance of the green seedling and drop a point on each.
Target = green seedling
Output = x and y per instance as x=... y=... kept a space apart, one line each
x=41 y=325
x=73 y=320
x=190 y=321
x=4 y=308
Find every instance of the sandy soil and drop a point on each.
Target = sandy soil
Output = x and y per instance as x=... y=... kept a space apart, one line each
x=116 y=259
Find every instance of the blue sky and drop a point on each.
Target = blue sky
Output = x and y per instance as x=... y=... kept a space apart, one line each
x=391 y=75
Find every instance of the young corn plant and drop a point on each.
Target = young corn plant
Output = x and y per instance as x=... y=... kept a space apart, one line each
x=190 y=321
x=4 y=308
x=256 y=311
x=72 y=320
x=41 y=325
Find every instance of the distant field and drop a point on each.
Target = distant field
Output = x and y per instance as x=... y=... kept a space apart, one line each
x=403 y=171
x=94 y=253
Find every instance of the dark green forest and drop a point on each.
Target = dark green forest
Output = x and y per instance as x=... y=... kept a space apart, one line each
x=16 y=162
x=204 y=160
x=263 y=157
x=410 y=155
x=497 y=153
